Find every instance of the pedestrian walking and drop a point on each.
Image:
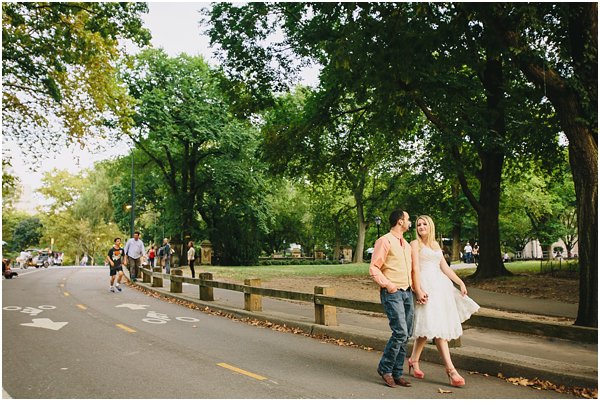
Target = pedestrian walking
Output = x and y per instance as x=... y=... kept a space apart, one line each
x=476 y=252
x=440 y=317
x=166 y=258
x=191 y=255
x=151 y=256
x=468 y=253
x=134 y=250
x=115 y=261
x=391 y=269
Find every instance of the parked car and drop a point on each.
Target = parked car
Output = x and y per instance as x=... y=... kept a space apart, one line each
x=41 y=260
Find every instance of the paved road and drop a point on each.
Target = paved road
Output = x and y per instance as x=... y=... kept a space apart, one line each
x=66 y=336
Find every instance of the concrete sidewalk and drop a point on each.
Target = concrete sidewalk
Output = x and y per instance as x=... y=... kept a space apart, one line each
x=562 y=362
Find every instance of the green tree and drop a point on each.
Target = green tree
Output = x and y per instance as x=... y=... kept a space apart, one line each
x=308 y=135
x=58 y=64
x=79 y=213
x=27 y=233
x=197 y=154
x=289 y=209
x=394 y=60
x=556 y=48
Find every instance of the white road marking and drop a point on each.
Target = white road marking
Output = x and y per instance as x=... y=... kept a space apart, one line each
x=133 y=306
x=46 y=324
x=187 y=319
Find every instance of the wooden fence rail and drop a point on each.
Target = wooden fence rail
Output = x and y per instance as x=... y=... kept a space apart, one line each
x=325 y=303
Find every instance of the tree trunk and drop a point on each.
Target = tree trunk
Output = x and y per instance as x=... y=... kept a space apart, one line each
x=456 y=224
x=490 y=176
x=583 y=156
x=456 y=230
x=362 y=229
x=337 y=241
x=579 y=124
x=490 y=259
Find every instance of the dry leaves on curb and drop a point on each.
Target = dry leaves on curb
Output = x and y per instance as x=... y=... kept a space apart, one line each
x=546 y=385
x=252 y=321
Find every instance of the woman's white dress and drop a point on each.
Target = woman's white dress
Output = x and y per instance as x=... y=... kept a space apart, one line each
x=446 y=308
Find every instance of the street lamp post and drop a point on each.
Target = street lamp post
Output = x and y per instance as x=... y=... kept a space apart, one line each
x=132 y=197
x=377 y=223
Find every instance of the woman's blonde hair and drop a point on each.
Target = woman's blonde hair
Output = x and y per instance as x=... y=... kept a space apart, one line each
x=431 y=231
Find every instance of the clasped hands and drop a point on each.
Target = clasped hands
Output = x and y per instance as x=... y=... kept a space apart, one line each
x=421 y=297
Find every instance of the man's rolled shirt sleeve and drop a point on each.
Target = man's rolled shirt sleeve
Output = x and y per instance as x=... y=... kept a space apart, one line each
x=382 y=247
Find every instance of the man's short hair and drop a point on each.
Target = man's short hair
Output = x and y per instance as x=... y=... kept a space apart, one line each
x=115 y=240
x=136 y=232
x=395 y=216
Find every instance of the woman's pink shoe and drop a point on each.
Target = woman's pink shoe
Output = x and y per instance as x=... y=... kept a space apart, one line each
x=414 y=365
x=456 y=380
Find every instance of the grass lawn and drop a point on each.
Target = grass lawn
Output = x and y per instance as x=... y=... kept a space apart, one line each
x=268 y=272
x=353 y=269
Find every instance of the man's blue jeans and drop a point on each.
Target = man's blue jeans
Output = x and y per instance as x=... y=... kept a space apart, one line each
x=399 y=309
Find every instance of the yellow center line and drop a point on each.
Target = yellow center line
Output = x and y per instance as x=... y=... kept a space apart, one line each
x=241 y=371
x=82 y=307
x=127 y=329
x=66 y=294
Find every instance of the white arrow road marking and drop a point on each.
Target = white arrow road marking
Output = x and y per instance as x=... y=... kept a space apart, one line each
x=133 y=306
x=46 y=324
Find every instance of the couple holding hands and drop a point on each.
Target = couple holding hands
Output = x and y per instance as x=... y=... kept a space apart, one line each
x=419 y=298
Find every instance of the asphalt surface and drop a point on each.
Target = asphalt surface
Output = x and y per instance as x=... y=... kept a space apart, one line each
x=66 y=336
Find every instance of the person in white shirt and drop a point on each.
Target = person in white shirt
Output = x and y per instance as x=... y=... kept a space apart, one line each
x=134 y=250
x=468 y=253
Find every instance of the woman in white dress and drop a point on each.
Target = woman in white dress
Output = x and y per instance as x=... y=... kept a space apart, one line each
x=445 y=307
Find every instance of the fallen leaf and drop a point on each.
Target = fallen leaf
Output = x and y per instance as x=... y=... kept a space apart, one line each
x=441 y=391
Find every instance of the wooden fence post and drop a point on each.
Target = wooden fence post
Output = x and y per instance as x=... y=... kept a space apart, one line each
x=146 y=277
x=252 y=302
x=176 y=286
x=157 y=281
x=206 y=293
x=325 y=314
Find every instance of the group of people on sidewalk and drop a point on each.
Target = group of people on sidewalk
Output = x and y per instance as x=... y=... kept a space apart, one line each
x=419 y=298
x=133 y=254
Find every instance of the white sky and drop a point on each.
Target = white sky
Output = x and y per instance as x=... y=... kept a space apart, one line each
x=174 y=27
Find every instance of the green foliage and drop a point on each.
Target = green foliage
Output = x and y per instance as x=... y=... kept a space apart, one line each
x=193 y=159
x=384 y=65
x=10 y=185
x=79 y=215
x=58 y=64
x=27 y=233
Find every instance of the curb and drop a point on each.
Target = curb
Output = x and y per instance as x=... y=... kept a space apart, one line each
x=469 y=358
x=546 y=329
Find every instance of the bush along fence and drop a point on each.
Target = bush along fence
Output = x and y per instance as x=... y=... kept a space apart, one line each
x=325 y=304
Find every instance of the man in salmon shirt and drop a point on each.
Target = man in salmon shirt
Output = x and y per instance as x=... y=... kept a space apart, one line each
x=391 y=269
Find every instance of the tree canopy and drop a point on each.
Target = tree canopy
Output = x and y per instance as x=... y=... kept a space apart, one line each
x=59 y=74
